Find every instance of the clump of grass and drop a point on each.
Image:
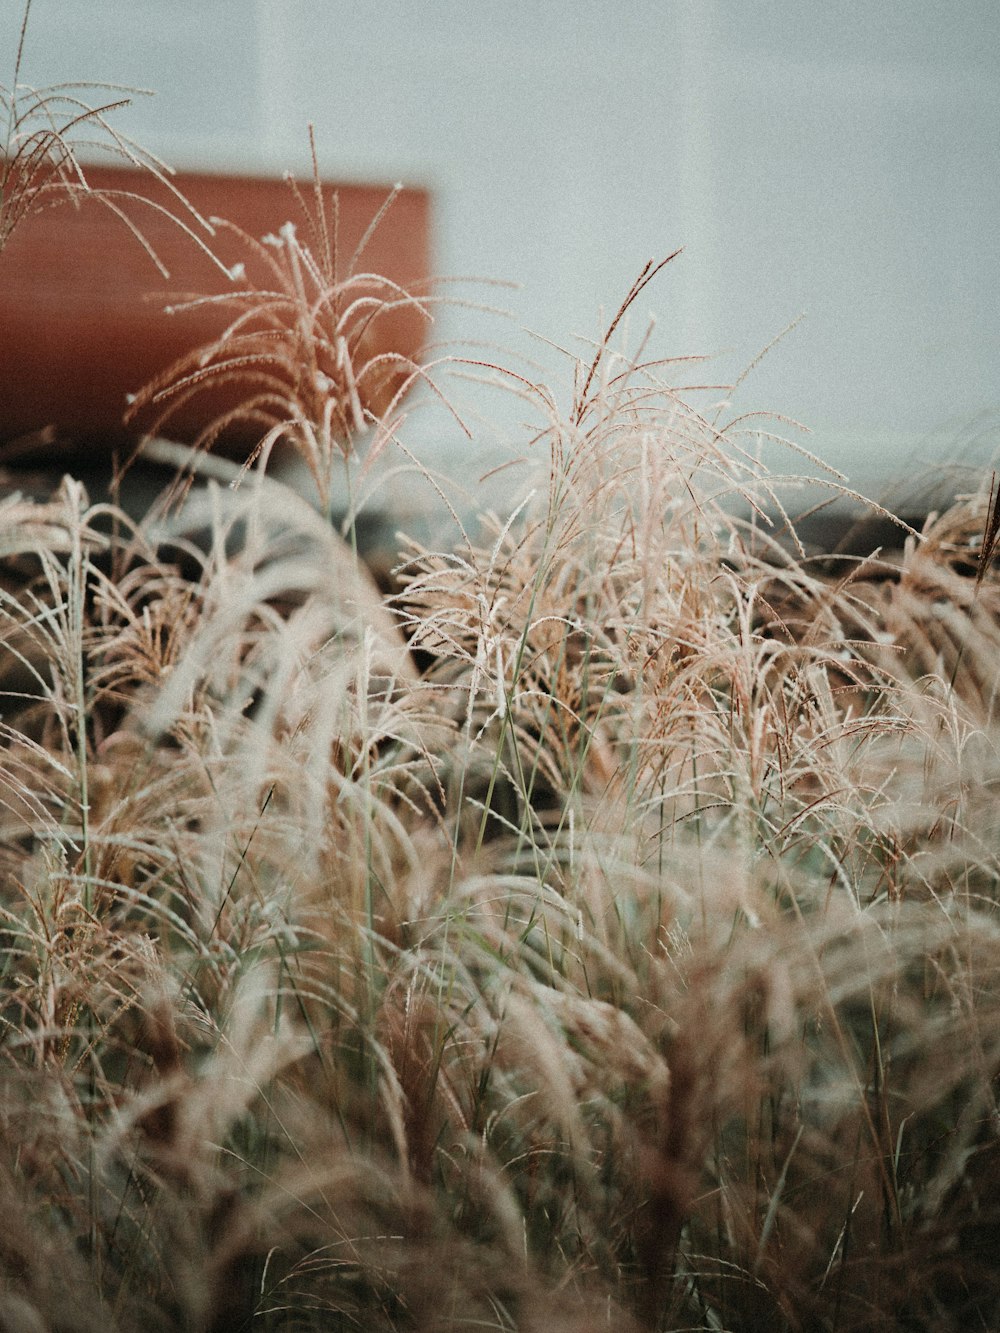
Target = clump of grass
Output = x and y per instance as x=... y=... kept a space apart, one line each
x=610 y=952
x=298 y=364
x=41 y=138
x=601 y=932
x=47 y=136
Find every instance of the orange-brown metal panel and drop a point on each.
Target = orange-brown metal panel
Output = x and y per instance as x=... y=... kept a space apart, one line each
x=82 y=321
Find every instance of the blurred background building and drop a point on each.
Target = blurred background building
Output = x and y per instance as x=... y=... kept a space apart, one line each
x=836 y=160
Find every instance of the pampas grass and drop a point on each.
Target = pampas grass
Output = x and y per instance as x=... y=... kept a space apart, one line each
x=600 y=932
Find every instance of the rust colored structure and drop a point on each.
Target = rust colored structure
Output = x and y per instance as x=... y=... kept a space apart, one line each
x=82 y=305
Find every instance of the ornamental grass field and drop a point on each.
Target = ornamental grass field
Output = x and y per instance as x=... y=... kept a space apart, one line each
x=595 y=930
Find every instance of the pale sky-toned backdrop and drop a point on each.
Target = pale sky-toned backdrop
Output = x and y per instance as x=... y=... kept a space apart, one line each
x=837 y=159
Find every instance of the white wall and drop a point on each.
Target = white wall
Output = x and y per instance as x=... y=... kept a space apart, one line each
x=838 y=158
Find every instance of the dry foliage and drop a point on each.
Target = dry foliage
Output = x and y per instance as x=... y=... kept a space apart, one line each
x=600 y=933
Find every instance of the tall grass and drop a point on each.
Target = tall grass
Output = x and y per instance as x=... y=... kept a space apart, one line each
x=599 y=932
x=48 y=137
